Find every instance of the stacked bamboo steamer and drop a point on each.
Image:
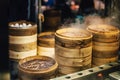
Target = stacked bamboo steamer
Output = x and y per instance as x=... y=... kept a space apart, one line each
x=73 y=49
x=22 y=43
x=46 y=44
x=105 y=43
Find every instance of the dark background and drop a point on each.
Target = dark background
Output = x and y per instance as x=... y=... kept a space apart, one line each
x=4 y=35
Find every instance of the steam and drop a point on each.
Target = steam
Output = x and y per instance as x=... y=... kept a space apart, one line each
x=95 y=19
x=73 y=24
x=89 y=20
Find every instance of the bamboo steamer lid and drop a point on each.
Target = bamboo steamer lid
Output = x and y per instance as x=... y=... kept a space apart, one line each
x=39 y=69
x=73 y=33
x=104 y=32
x=73 y=38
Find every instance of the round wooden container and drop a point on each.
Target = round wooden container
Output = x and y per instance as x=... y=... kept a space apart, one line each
x=37 y=68
x=73 y=48
x=104 y=33
x=46 y=43
x=105 y=43
x=22 y=40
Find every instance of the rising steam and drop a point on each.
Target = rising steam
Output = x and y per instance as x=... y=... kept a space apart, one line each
x=89 y=20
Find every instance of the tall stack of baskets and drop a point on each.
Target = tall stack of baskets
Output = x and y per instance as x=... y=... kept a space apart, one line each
x=22 y=43
x=105 y=43
x=73 y=49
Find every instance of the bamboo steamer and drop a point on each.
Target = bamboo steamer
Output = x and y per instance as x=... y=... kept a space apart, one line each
x=37 y=68
x=22 y=40
x=104 y=33
x=46 y=44
x=73 y=48
x=66 y=69
x=105 y=43
x=105 y=50
x=74 y=62
x=101 y=61
x=73 y=52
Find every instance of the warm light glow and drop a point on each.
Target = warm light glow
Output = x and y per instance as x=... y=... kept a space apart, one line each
x=45 y=0
x=72 y=2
